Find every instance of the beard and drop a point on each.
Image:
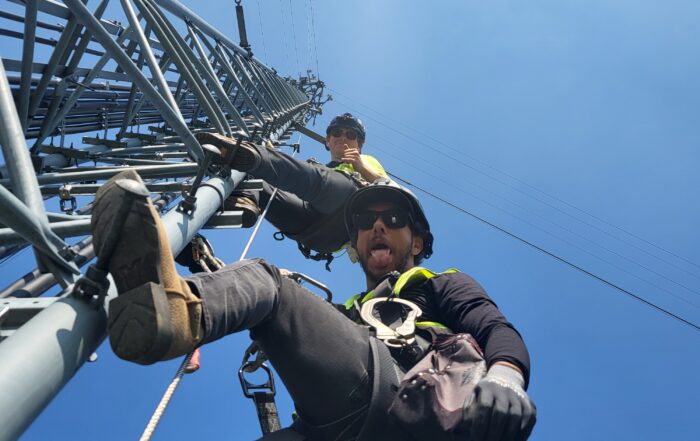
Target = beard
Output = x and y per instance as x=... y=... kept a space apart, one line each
x=401 y=265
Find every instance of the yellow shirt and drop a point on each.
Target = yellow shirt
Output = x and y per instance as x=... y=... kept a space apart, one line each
x=370 y=161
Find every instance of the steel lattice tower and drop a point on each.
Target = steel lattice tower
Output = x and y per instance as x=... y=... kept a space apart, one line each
x=145 y=86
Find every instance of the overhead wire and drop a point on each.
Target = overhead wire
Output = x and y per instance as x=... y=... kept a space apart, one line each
x=458 y=160
x=604 y=280
x=564 y=228
x=262 y=29
x=308 y=36
x=284 y=26
x=564 y=241
x=554 y=256
x=294 y=35
x=313 y=29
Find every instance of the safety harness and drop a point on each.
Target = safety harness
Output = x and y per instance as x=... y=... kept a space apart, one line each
x=400 y=343
x=390 y=289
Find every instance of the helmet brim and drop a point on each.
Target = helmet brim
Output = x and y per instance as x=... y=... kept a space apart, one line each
x=372 y=194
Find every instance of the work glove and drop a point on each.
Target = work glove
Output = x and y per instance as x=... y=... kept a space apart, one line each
x=499 y=409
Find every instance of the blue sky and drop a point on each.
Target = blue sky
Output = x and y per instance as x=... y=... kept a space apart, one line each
x=573 y=125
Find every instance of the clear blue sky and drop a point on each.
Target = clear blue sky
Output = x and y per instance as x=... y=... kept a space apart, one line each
x=569 y=123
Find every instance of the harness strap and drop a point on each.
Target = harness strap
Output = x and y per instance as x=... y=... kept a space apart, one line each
x=267 y=412
x=385 y=380
x=306 y=251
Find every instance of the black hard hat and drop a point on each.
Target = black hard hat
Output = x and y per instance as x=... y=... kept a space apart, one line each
x=388 y=191
x=349 y=121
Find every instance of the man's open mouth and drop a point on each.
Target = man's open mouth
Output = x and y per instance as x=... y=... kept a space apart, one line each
x=380 y=251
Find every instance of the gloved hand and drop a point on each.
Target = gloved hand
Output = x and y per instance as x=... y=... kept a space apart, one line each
x=499 y=409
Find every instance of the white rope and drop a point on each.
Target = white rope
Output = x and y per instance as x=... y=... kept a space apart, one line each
x=160 y=409
x=170 y=391
x=262 y=216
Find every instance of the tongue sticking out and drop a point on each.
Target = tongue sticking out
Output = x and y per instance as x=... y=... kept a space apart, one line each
x=381 y=256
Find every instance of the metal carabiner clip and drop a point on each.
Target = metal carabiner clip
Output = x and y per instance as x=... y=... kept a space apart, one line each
x=396 y=338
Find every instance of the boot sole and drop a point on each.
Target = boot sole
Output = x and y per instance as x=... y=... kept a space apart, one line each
x=139 y=318
x=139 y=324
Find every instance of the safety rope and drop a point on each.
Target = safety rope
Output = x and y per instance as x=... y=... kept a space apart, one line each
x=203 y=254
x=264 y=213
x=264 y=398
x=160 y=409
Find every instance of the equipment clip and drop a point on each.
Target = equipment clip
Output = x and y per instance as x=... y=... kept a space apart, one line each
x=404 y=334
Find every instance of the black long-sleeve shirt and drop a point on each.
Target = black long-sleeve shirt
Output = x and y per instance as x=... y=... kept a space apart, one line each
x=460 y=303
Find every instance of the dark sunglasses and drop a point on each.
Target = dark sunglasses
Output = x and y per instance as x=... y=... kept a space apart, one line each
x=391 y=218
x=349 y=133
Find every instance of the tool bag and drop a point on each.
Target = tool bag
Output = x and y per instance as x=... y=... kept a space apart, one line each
x=430 y=401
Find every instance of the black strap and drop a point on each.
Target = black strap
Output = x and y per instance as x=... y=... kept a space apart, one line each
x=384 y=383
x=306 y=251
x=267 y=412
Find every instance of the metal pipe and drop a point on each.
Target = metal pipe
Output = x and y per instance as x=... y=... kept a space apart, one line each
x=18 y=217
x=43 y=354
x=213 y=79
x=68 y=105
x=244 y=73
x=86 y=189
x=136 y=75
x=61 y=47
x=36 y=283
x=20 y=19
x=150 y=58
x=146 y=171
x=81 y=227
x=27 y=58
x=60 y=10
x=25 y=185
x=208 y=76
x=195 y=82
x=68 y=73
x=145 y=149
x=184 y=13
x=85 y=40
x=234 y=79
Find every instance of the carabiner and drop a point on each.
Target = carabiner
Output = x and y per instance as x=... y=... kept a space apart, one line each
x=404 y=334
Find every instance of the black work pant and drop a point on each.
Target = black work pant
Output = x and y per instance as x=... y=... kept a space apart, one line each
x=321 y=356
x=307 y=194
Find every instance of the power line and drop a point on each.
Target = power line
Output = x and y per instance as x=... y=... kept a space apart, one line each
x=313 y=28
x=634 y=262
x=286 y=50
x=294 y=35
x=577 y=247
x=655 y=256
x=561 y=239
x=308 y=36
x=554 y=256
x=262 y=29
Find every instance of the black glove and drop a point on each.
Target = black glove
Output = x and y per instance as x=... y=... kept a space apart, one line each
x=499 y=409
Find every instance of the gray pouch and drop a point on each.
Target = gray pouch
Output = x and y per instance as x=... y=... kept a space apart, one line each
x=430 y=401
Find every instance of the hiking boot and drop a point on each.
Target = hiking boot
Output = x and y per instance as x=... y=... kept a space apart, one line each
x=246 y=204
x=243 y=157
x=156 y=316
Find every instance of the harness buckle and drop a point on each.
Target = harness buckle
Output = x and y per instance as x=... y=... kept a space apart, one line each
x=404 y=334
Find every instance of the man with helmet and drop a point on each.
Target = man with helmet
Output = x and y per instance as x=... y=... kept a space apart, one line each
x=340 y=373
x=310 y=197
x=345 y=136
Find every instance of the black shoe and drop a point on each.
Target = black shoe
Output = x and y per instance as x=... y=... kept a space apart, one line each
x=243 y=157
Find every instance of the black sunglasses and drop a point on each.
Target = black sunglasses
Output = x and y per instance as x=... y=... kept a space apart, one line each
x=391 y=218
x=349 y=133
